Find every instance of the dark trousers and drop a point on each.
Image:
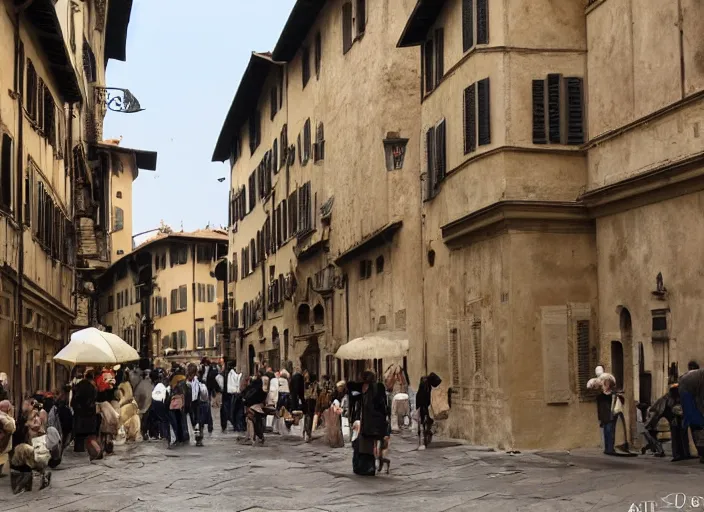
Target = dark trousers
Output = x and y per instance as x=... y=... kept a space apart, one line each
x=238 y=413
x=680 y=442
x=207 y=412
x=258 y=422
x=225 y=410
x=159 y=417
x=179 y=423
x=698 y=438
x=609 y=436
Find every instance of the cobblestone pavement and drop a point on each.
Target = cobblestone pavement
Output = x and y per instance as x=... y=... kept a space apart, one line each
x=287 y=474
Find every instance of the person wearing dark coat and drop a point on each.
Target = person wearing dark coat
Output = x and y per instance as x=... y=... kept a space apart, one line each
x=297 y=388
x=253 y=397
x=85 y=419
x=374 y=426
x=423 y=402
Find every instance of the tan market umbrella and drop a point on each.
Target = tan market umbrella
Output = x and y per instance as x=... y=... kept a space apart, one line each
x=376 y=345
x=91 y=346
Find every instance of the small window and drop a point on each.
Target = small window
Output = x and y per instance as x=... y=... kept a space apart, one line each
x=431 y=258
x=318 y=54
x=305 y=65
x=319 y=146
x=119 y=195
x=361 y=17
x=379 y=264
x=274 y=102
x=346 y=27
x=558 y=110
x=6 y=173
x=255 y=131
x=119 y=221
x=201 y=337
x=365 y=269
x=182 y=340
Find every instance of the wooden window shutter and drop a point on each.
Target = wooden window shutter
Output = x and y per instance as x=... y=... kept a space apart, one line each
x=440 y=152
x=554 y=131
x=467 y=24
x=275 y=156
x=281 y=87
x=361 y=15
x=428 y=67
x=300 y=154
x=584 y=367
x=318 y=54
x=346 y=27
x=174 y=300
x=482 y=21
x=284 y=220
x=470 y=119
x=274 y=102
x=305 y=65
x=539 y=112
x=484 y=112
x=183 y=298
x=19 y=84
x=439 y=55
x=575 y=110
x=430 y=157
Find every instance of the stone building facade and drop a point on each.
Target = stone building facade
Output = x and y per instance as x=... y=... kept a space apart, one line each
x=53 y=58
x=324 y=236
x=163 y=298
x=544 y=219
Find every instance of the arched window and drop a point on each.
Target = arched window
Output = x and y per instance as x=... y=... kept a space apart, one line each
x=318 y=315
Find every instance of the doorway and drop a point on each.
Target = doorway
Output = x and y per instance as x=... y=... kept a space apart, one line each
x=617 y=363
x=623 y=360
x=310 y=359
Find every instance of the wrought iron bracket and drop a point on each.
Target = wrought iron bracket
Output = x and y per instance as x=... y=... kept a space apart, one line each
x=117 y=99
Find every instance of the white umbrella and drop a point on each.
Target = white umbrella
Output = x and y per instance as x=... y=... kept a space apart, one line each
x=91 y=346
x=376 y=345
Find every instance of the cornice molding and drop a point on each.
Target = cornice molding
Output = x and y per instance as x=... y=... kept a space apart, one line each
x=516 y=215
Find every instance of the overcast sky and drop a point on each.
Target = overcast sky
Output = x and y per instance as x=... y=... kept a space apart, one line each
x=184 y=63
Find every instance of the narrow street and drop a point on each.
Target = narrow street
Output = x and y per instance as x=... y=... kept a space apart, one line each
x=287 y=474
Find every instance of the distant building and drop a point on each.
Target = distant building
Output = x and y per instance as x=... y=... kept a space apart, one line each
x=163 y=297
x=322 y=140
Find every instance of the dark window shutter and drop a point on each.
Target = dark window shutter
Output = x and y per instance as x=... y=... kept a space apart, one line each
x=429 y=71
x=440 y=152
x=281 y=87
x=430 y=160
x=575 y=111
x=361 y=16
x=275 y=156
x=467 y=24
x=274 y=102
x=470 y=119
x=484 y=112
x=554 y=108
x=539 y=112
x=346 y=27
x=318 y=54
x=439 y=55
x=300 y=154
x=305 y=65
x=482 y=21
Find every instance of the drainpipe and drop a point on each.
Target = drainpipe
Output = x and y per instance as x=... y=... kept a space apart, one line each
x=422 y=284
x=195 y=296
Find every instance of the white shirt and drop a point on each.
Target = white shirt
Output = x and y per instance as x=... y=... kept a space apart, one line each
x=195 y=389
x=233 y=381
x=159 y=393
x=273 y=394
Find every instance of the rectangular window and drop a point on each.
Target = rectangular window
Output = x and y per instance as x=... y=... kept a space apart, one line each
x=201 y=337
x=274 y=102
x=318 y=54
x=6 y=173
x=293 y=213
x=439 y=55
x=477 y=115
x=558 y=110
x=182 y=298
x=211 y=337
x=306 y=141
x=284 y=145
x=283 y=221
x=428 y=66
x=361 y=13
x=111 y=303
x=31 y=92
x=211 y=293
x=482 y=21
x=255 y=131
x=304 y=209
x=346 y=27
x=182 y=340
x=319 y=146
x=467 y=24
x=118 y=223
x=469 y=28
x=436 y=154
x=252 y=190
x=305 y=65
x=28 y=188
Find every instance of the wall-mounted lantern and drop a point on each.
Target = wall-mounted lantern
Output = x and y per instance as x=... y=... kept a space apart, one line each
x=395 y=151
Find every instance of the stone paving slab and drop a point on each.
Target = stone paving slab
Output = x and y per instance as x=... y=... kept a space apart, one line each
x=287 y=474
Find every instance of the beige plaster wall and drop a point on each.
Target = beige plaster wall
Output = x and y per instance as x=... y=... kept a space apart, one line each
x=634 y=247
x=123 y=172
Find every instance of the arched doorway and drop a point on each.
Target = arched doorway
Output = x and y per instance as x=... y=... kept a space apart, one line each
x=252 y=355
x=310 y=359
